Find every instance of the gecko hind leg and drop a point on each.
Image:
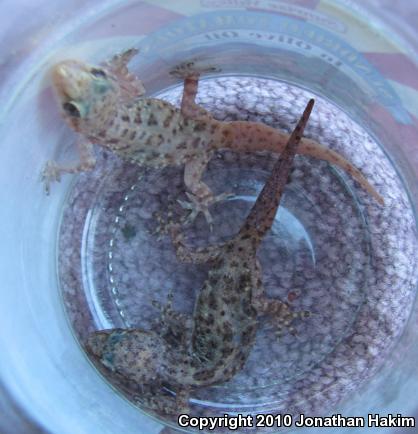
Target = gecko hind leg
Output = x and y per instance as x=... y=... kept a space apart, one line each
x=200 y=255
x=200 y=195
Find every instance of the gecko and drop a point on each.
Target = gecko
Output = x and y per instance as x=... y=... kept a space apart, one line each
x=105 y=105
x=212 y=345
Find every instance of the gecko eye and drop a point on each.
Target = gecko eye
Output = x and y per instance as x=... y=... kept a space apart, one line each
x=98 y=73
x=71 y=109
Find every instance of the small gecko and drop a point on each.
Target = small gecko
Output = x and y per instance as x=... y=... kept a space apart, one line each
x=105 y=105
x=214 y=344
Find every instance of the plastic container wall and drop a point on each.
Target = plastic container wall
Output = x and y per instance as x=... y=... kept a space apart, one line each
x=46 y=381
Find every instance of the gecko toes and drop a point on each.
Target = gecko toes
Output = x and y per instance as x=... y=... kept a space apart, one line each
x=198 y=205
x=50 y=173
x=192 y=69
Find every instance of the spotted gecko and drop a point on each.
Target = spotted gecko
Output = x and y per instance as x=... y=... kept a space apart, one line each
x=215 y=344
x=105 y=105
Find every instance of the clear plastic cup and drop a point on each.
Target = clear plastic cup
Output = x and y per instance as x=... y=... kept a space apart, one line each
x=360 y=58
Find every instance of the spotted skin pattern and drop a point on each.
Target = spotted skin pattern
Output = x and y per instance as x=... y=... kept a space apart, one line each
x=214 y=344
x=105 y=106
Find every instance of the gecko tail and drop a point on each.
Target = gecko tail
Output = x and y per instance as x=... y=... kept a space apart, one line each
x=314 y=149
x=245 y=136
x=263 y=212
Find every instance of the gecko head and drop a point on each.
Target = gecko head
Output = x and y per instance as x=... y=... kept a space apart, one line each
x=132 y=353
x=83 y=91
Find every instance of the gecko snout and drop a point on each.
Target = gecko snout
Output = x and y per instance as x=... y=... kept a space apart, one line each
x=69 y=78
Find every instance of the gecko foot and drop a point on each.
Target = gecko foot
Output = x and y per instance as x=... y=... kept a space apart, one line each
x=50 y=173
x=192 y=69
x=164 y=222
x=281 y=315
x=286 y=323
x=199 y=205
x=182 y=401
x=121 y=60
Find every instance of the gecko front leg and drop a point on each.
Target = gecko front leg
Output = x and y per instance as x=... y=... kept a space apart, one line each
x=200 y=195
x=52 y=171
x=280 y=313
x=190 y=72
x=182 y=400
x=189 y=108
x=174 y=327
x=164 y=404
x=130 y=85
